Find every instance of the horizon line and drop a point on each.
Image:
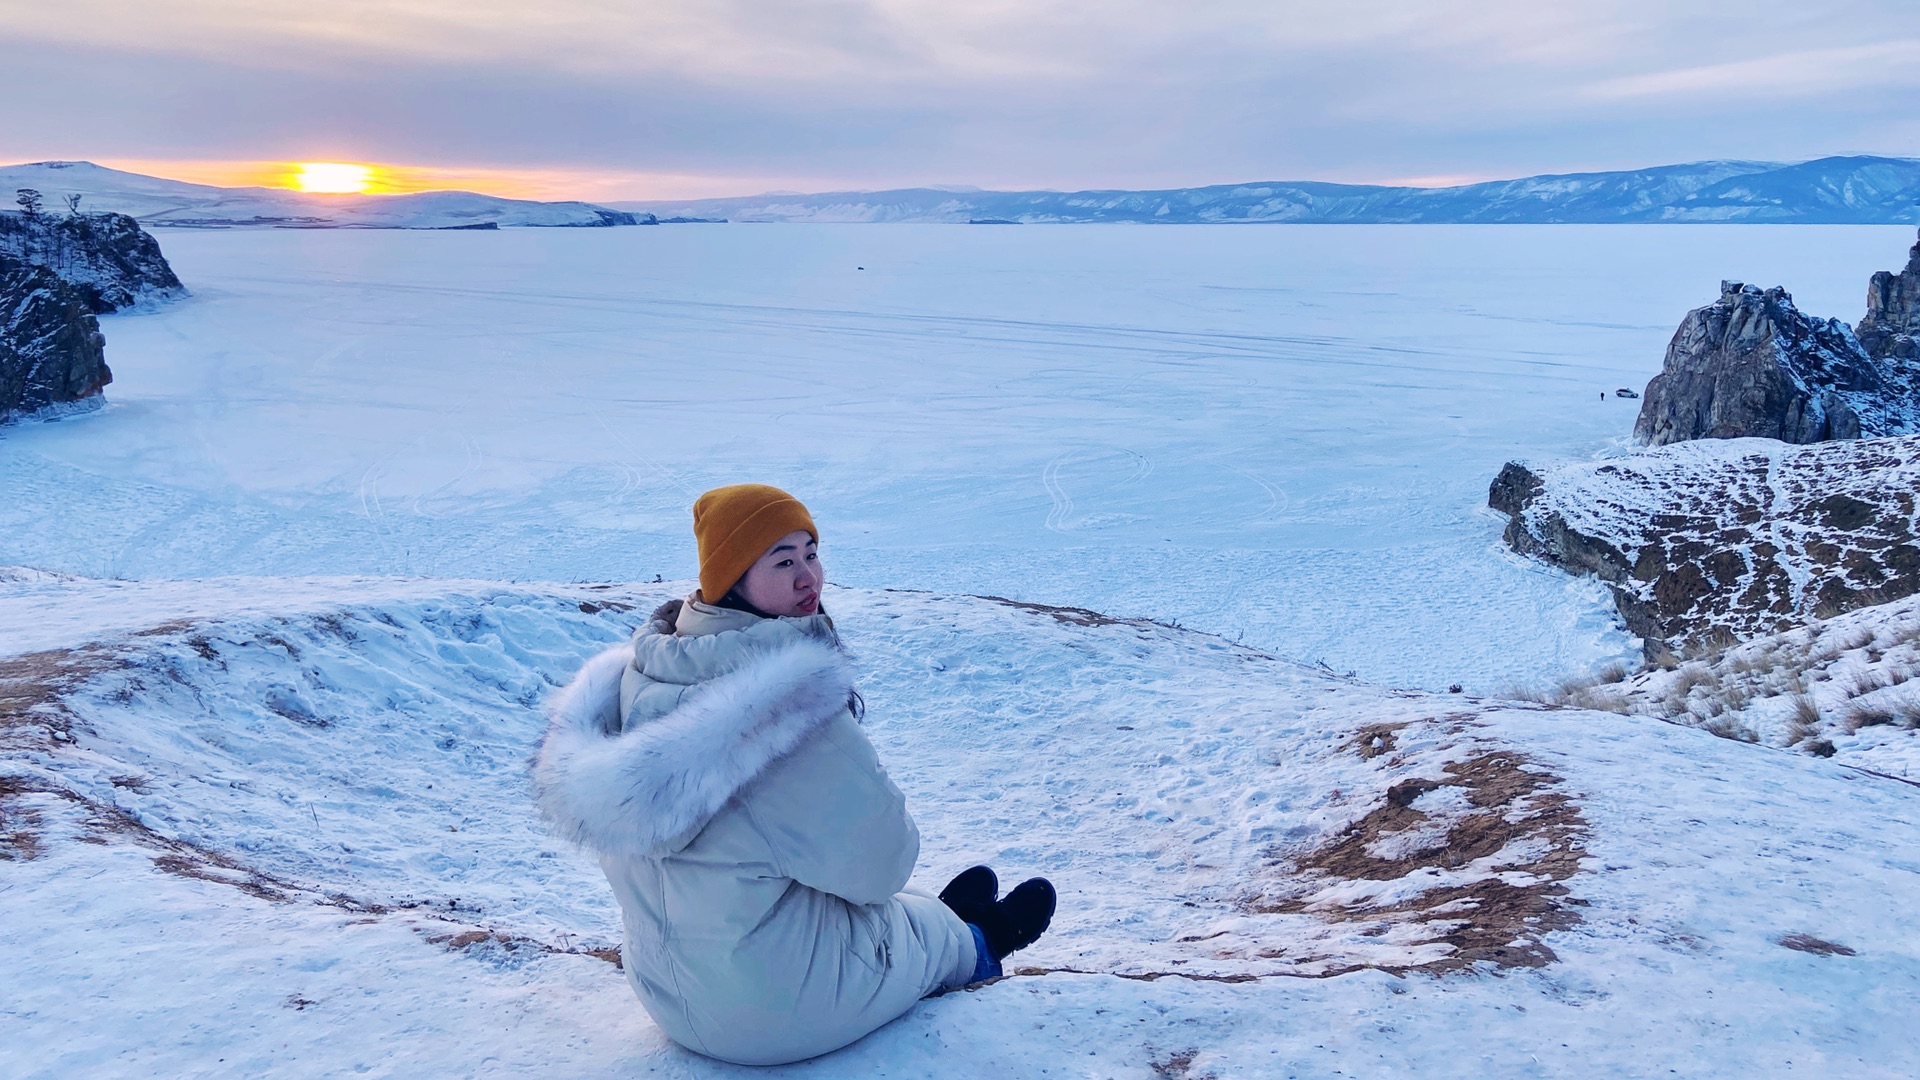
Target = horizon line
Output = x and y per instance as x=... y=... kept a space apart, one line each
x=550 y=185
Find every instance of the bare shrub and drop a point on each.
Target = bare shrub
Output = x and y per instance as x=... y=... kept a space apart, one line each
x=1602 y=698
x=1612 y=673
x=1865 y=682
x=1805 y=722
x=1728 y=728
x=1709 y=647
x=1864 y=716
x=1736 y=698
x=1692 y=676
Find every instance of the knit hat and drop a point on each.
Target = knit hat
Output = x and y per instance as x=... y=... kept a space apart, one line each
x=735 y=525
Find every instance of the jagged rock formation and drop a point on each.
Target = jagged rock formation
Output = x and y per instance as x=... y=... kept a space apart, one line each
x=108 y=258
x=51 y=348
x=1728 y=540
x=1750 y=364
x=1891 y=330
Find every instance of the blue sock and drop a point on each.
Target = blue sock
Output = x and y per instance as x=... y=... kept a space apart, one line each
x=986 y=967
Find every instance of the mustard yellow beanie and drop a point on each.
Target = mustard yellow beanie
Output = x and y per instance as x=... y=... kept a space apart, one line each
x=735 y=525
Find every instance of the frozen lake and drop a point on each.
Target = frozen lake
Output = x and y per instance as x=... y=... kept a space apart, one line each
x=1282 y=434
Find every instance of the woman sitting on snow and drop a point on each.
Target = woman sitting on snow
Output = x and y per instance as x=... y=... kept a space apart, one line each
x=757 y=848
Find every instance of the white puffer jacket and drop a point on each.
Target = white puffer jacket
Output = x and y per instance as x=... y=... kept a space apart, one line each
x=755 y=843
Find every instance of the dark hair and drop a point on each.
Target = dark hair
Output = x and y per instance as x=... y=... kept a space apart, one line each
x=734 y=600
x=856 y=704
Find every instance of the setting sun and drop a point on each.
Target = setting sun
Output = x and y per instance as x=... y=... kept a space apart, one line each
x=332 y=178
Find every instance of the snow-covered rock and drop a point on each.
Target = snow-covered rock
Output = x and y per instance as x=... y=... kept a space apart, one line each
x=108 y=258
x=1891 y=329
x=1750 y=364
x=1727 y=539
x=52 y=353
x=284 y=825
x=158 y=202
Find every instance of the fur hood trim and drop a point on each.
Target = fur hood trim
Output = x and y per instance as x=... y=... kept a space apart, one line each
x=649 y=790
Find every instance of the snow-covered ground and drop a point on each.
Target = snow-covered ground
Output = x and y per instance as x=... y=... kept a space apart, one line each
x=278 y=621
x=1279 y=435
x=289 y=833
x=1842 y=688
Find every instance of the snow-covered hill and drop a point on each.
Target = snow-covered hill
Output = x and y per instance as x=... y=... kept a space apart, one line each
x=1841 y=688
x=1840 y=190
x=283 y=825
x=173 y=203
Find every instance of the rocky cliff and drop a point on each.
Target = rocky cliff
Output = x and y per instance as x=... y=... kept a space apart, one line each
x=1751 y=364
x=108 y=258
x=51 y=348
x=1728 y=539
x=1891 y=330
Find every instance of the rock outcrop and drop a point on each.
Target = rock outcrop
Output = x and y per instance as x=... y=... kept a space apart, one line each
x=1726 y=540
x=1891 y=330
x=108 y=258
x=51 y=348
x=1750 y=364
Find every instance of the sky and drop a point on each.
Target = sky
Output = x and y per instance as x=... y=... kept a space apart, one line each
x=610 y=99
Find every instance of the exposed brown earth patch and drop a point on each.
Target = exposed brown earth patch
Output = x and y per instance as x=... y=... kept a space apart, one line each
x=475 y=939
x=1494 y=919
x=31 y=684
x=20 y=824
x=1807 y=943
x=1072 y=616
x=1375 y=740
x=1178 y=1066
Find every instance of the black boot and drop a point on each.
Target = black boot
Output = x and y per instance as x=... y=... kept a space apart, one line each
x=1018 y=919
x=971 y=893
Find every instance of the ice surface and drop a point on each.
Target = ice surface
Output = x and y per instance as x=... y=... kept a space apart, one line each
x=1282 y=435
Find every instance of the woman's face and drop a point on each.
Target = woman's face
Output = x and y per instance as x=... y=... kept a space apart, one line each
x=787 y=579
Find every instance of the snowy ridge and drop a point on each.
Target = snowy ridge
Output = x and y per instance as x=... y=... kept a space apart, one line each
x=158 y=202
x=1850 y=190
x=1730 y=539
x=330 y=776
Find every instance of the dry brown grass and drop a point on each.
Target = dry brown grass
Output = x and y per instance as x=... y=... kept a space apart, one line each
x=1862 y=683
x=1865 y=716
x=1736 y=698
x=1489 y=920
x=1806 y=721
x=1728 y=728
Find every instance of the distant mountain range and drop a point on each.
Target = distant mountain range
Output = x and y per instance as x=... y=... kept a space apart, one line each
x=173 y=203
x=1829 y=191
x=1832 y=191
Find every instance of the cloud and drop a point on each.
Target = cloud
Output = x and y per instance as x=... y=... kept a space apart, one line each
x=1882 y=65
x=862 y=93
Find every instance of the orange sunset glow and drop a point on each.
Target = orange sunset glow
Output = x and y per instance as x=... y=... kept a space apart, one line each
x=389 y=178
x=332 y=178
